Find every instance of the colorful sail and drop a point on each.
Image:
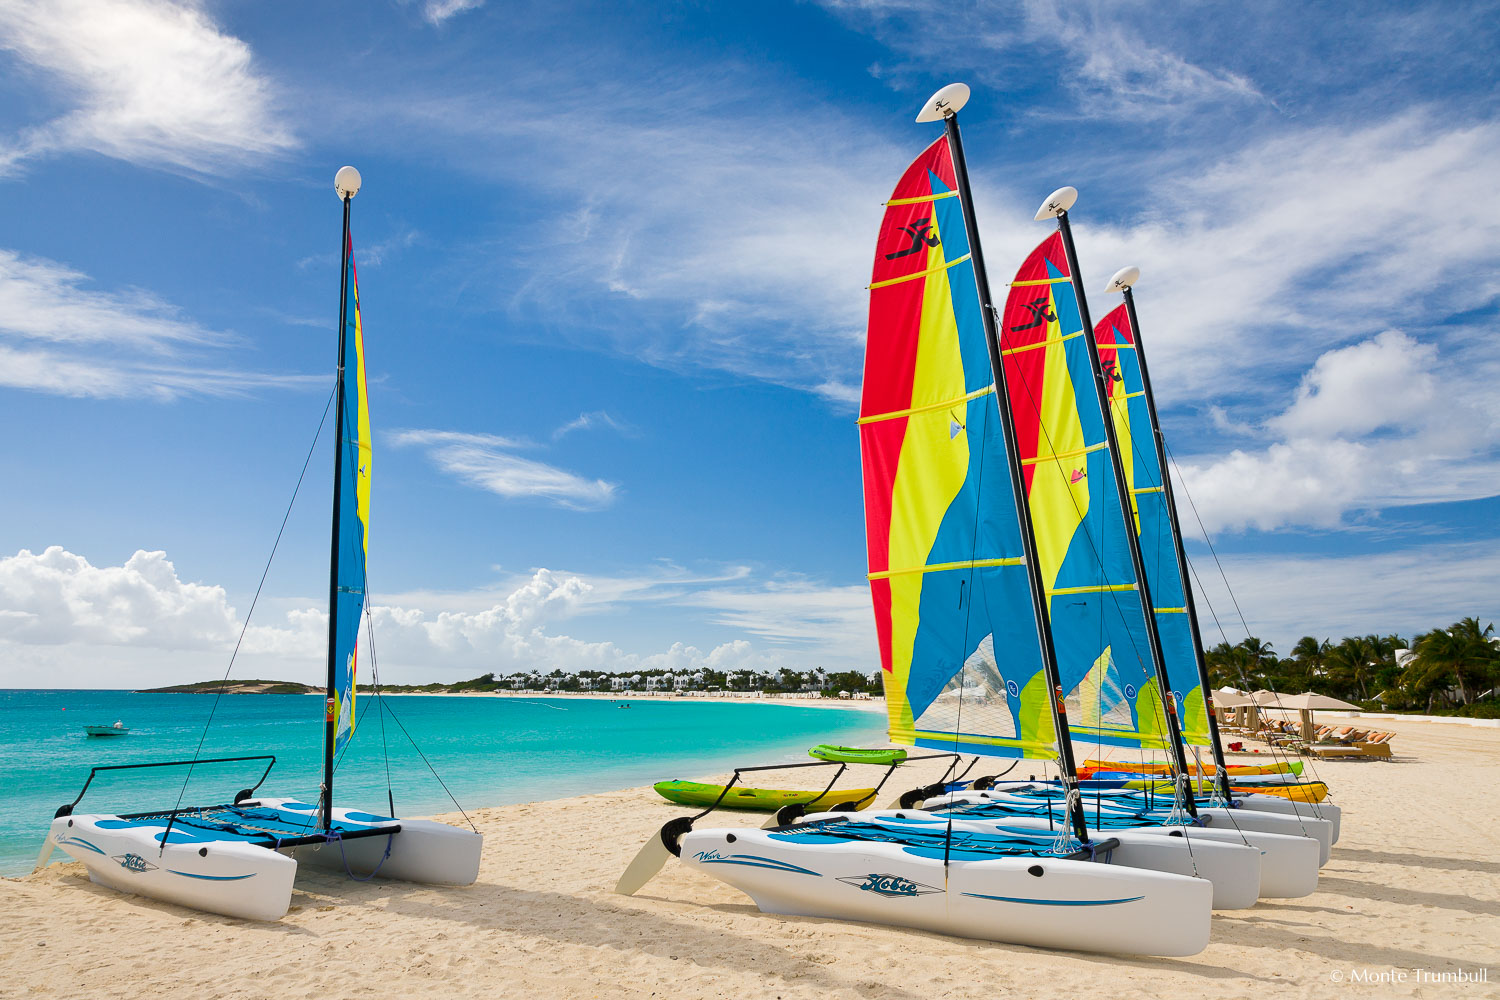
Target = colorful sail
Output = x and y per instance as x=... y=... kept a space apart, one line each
x=958 y=644
x=1098 y=626
x=353 y=513
x=1127 y=396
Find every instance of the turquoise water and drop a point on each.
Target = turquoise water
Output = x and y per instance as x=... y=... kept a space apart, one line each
x=489 y=751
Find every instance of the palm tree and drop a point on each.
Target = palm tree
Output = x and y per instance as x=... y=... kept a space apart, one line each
x=1352 y=663
x=1448 y=655
x=1309 y=655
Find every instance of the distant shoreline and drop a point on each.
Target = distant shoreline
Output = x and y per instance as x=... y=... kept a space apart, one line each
x=872 y=705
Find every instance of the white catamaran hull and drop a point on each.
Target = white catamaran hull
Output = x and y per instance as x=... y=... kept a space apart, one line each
x=424 y=851
x=1288 y=865
x=1044 y=902
x=240 y=879
x=1277 y=804
x=229 y=877
x=1232 y=867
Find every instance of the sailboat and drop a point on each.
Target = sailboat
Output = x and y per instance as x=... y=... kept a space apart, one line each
x=239 y=858
x=1133 y=408
x=952 y=577
x=1097 y=499
x=1093 y=607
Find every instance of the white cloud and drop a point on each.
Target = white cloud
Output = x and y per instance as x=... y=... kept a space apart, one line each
x=141 y=624
x=149 y=81
x=1383 y=382
x=1257 y=263
x=59 y=336
x=41 y=299
x=1368 y=428
x=56 y=597
x=490 y=463
x=438 y=11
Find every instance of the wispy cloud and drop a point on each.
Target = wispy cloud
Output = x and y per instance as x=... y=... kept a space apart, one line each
x=151 y=82
x=439 y=11
x=489 y=462
x=58 y=335
x=1109 y=67
x=593 y=420
x=43 y=300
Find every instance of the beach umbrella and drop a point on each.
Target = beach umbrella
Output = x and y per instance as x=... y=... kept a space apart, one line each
x=1308 y=702
x=1265 y=697
x=1229 y=698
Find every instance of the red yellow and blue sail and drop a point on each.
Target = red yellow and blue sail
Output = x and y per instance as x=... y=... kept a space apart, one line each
x=353 y=513
x=959 y=651
x=1132 y=417
x=1098 y=625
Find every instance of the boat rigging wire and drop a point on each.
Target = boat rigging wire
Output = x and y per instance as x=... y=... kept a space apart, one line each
x=224 y=681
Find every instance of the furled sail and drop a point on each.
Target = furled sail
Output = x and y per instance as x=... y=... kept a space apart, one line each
x=1098 y=626
x=958 y=644
x=352 y=513
x=1127 y=398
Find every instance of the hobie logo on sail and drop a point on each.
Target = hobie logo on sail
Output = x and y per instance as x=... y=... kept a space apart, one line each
x=1041 y=312
x=920 y=237
x=1078 y=475
x=888 y=885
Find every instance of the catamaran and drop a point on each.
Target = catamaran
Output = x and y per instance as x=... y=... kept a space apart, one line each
x=1084 y=467
x=240 y=857
x=953 y=577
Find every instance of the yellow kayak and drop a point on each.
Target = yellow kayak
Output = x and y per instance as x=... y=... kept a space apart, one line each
x=1302 y=791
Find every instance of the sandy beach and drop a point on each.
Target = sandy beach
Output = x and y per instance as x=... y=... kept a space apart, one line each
x=1412 y=891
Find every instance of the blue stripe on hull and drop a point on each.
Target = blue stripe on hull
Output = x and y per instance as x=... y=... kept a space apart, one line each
x=1056 y=902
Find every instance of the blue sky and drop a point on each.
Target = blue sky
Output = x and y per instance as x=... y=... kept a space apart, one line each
x=612 y=260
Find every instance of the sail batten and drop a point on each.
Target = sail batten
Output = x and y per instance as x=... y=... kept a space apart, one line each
x=948 y=581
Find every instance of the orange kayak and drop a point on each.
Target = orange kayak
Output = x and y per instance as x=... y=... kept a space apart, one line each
x=1280 y=767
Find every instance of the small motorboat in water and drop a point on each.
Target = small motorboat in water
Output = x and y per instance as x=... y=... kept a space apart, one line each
x=118 y=729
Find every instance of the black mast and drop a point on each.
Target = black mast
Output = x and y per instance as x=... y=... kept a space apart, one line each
x=1018 y=485
x=330 y=723
x=1182 y=566
x=1153 y=637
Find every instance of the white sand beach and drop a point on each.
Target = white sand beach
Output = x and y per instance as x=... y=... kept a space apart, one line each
x=1412 y=890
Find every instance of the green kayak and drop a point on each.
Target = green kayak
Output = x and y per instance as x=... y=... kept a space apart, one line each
x=854 y=755
x=697 y=793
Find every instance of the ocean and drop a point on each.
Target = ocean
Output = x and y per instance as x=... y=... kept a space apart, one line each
x=488 y=751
